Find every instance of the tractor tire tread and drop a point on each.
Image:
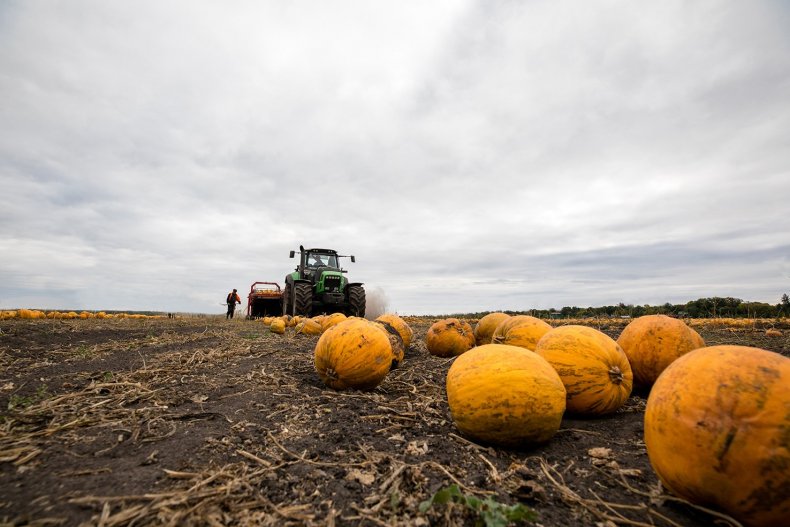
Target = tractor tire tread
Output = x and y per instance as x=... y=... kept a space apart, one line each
x=356 y=301
x=303 y=299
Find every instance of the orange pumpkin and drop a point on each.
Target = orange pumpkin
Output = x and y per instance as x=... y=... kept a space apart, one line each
x=449 y=337
x=400 y=325
x=26 y=313
x=593 y=368
x=505 y=395
x=522 y=330
x=653 y=342
x=354 y=353
x=396 y=342
x=308 y=326
x=277 y=326
x=484 y=329
x=717 y=431
x=331 y=320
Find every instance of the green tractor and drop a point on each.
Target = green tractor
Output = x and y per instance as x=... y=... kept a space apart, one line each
x=317 y=285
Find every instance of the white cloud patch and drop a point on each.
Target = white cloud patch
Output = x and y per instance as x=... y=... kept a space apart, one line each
x=472 y=155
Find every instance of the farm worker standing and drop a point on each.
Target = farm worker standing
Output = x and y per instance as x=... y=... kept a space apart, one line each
x=233 y=299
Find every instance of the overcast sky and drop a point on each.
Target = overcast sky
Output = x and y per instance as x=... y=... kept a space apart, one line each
x=472 y=155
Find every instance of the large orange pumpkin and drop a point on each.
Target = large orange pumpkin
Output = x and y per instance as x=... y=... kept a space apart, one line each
x=484 y=329
x=593 y=368
x=717 y=431
x=653 y=342
x=522 y=330
x=331 y=320
x=355 y=353
x=400 y=325
x=396 y=342
x=505 y=395
x=449 y=337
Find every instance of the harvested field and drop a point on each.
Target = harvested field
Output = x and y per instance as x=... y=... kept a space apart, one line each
x=208 y=421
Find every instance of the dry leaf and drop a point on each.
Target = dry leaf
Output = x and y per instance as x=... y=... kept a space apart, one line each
x=417 y=448
x=600 y=453
x=365 y=478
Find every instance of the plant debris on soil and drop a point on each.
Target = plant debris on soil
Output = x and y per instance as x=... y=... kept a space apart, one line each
x=214 y=422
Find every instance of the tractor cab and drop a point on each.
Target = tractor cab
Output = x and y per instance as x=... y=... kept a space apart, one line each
x=317 y=259
x=317 y=285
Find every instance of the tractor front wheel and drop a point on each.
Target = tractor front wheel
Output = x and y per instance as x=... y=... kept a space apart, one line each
x=303 y=299
x=356 y=301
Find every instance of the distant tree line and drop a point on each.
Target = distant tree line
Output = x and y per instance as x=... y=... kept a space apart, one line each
x=727 y=307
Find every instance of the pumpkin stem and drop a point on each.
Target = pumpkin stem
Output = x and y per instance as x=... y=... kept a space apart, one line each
x=615 y=375
x=331 y=374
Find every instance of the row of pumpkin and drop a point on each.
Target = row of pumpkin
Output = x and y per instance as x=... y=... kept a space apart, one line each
x=30 y=314
x=717 y=421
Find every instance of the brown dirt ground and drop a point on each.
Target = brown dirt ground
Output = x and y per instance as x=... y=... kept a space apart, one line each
x=215 y=422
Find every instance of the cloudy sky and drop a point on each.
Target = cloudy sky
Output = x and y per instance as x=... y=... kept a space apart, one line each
x=472 y=155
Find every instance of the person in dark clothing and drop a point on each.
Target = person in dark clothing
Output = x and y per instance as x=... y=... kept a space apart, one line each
x=233 y=299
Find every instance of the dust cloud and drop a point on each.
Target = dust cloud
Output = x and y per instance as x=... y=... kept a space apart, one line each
x=376 y=302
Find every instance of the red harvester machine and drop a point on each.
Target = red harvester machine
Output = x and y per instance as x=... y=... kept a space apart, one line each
x=265 y=300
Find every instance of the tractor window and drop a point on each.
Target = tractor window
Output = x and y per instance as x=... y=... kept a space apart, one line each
x=318 y=260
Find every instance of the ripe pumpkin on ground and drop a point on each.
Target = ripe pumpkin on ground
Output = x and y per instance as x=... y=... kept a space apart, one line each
x=308 y=326
x=449 y=337
x=396 y=342
x=330 y=320
x=354 y=353
x=593 y=368
x=400 y=325
x=653 y=342
x=522 y=330
x=717 y=431
x=26 y=313
x=277 y=326
x=505 y=395
x=484 y=329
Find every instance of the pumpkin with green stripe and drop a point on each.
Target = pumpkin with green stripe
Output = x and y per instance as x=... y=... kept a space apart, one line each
x=592 y=366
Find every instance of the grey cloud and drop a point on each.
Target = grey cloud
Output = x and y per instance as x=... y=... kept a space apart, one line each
x=626 y=151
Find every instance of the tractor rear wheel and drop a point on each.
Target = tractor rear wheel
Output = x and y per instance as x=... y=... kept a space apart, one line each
x=287 y=299
x=356 y=301
x=303 y=299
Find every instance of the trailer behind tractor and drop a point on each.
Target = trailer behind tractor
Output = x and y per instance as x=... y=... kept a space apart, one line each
x=265 y=300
